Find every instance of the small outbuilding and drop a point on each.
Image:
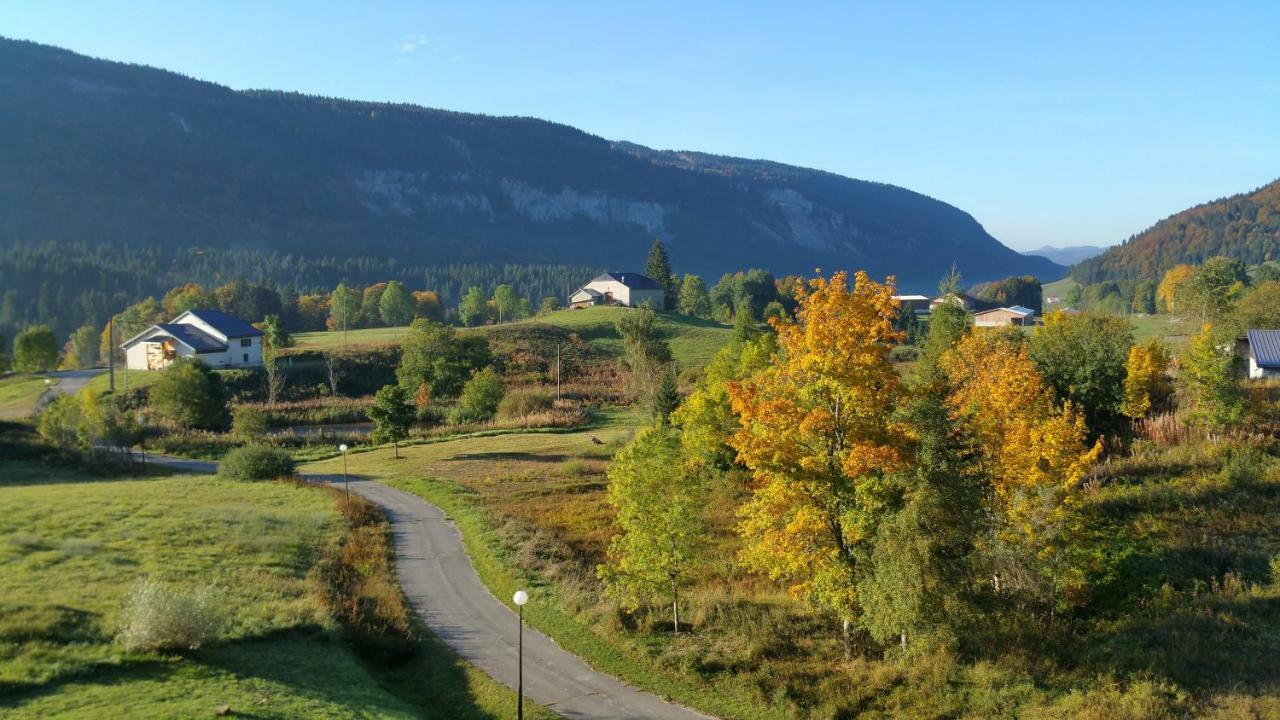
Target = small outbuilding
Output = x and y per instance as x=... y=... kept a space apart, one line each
x=1017 y=316
x=627 y=289
x=220 y=340
x=1264 y=353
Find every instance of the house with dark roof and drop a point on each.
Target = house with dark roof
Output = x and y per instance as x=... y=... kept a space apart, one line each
x=1264 y=353
x=627 y=289
x=219 y=339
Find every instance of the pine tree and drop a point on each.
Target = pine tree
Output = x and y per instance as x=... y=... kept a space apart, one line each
x=658 y=268
x=667 y=397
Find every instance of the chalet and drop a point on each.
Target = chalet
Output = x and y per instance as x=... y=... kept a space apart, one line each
x=627 y=289
x=1004 y=317
x=218 y=339
x=1264 y=353
x=966 y=302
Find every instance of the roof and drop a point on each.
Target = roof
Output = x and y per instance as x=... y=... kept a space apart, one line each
x=1024 y=311
x=193 y=337
x=232 y=327
x=1265 y=346
x=900 y=298
x=633 y=280
x=589 y=291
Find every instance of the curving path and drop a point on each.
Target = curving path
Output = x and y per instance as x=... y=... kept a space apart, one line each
x=443 y=587
x=69 y=383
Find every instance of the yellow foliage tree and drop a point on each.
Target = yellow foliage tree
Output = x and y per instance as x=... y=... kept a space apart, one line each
x=1146 y=383
x=1174 y=279
x=816 y=432
x=1033 y=453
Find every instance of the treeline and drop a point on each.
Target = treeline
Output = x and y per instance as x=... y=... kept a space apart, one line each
x=1245 y=227
x=66 y=286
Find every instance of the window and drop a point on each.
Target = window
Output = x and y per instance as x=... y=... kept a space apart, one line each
x=246 y=342
x=246 y=358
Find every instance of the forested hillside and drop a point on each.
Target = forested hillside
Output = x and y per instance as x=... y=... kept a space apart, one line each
x=200 y=182
x=1245 y=227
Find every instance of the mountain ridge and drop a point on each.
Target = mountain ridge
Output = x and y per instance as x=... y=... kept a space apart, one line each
x=127 y=154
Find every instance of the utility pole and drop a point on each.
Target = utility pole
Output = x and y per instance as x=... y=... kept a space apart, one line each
x=111 y=354
x=557 y=371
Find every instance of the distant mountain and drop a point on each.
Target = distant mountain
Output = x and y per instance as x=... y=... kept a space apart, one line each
x=109 y=153
x=1245 y=226
x=1067 y=255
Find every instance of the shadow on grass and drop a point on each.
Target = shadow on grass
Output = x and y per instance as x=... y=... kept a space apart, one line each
x=308 y=661
x=520 y=456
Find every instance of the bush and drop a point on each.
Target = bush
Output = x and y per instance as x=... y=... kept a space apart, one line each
x=248 y=424
x=190 y=395
x=256 y=462
x=157 y=617
x=480 y=397
x=523 y=402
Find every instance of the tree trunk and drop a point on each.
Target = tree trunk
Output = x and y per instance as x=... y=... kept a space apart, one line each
x=396 y=445
x=845 y=637
x=675 y=607
x=902 y=637
x=995 y=582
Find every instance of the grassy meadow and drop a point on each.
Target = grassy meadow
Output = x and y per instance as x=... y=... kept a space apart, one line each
x=19 y=393
x=693 y=341
x=1187 y=593
x=73 y=546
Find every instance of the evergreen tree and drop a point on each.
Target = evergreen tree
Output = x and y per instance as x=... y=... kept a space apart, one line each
x=666 y=397
x=658 y=268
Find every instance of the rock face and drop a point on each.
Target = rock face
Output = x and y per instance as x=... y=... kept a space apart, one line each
x=104 y=152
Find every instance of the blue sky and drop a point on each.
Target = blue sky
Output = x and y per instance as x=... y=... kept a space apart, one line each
x=1059 y=123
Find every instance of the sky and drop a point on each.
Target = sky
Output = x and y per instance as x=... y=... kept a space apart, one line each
x=1051 y=123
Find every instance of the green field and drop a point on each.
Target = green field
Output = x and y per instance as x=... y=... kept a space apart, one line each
x=19 y=394
x=72 y=547
x=125 y=379
x=693 y=341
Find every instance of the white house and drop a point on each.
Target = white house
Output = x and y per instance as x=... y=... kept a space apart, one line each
x=220 y=340
x=619 y=288
x=1264 y=353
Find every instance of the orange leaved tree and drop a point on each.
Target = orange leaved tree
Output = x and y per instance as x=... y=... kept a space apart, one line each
x=816 y=432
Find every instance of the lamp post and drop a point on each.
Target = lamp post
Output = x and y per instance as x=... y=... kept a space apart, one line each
x=142 y=436
x=346 y=487
x=521 y=597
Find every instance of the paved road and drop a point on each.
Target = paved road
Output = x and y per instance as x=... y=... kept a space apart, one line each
x=69 y=383
x=442 y=586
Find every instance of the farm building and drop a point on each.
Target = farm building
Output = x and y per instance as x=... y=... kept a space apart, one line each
x=1004 y=317
x=218 y=339
x=1264 y=353
x=619 y=288
x=919 y=304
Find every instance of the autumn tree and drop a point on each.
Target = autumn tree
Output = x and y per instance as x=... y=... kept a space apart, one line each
x=1167 y=292
x=816 y=433
x=426 y=304
x=661 y=509
x=392 y=414
x=1032 y=452
x=1146 y=384
x=1208 y=378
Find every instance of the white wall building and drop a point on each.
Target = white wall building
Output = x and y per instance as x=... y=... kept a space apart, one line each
x=218 y=339
x=619 y=288
x=1264 y=353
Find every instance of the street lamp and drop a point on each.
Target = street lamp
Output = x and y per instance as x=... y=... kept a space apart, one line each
x=346 y=487
x=142 y=436
x=520 y=598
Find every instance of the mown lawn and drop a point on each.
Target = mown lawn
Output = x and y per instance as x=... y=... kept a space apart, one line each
x=1184 y=618
x=19 y=394
x=693 y=341
x=71 y=548
x=125 y=379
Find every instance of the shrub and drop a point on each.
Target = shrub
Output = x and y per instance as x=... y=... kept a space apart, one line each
x=248 y=423
x=523 y=402
x=256 y=462
x=158 y=617
x=190 y=394
x=480 y=397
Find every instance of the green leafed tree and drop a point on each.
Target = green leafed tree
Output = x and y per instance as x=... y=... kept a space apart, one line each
x=661 y=509
x=549 y=304
x=344 y=306
x=81 y=350
x=1209 y=378
x=473 y=308
x=392 y=415
x=1083 y=356
x=480 y=397
x=191 y=395
x=396 y=306
x=432 y=355
x=35 y=350
x=645 y=353
x=695 y=301
x=505 y=302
